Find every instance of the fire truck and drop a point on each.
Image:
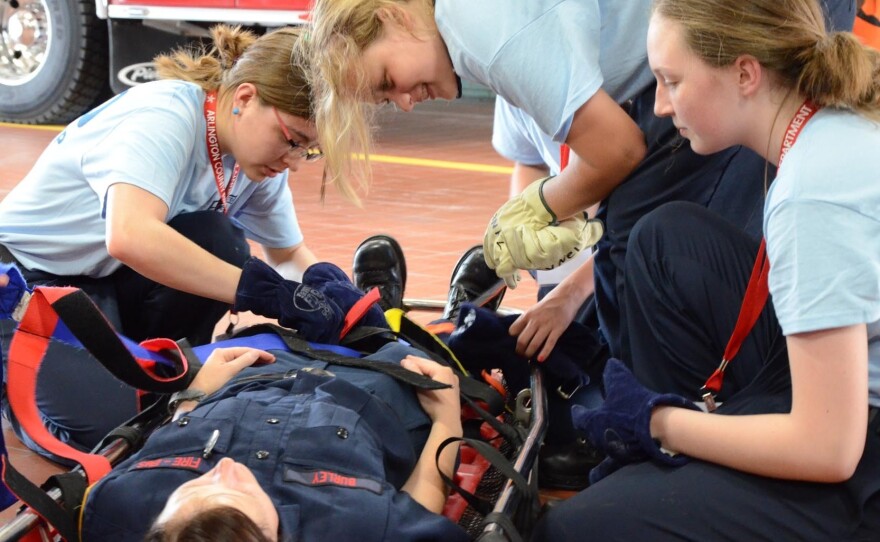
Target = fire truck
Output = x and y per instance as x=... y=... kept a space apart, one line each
x=58 y=58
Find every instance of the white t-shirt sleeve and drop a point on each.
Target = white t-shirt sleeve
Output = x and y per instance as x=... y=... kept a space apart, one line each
x=509 y=137
x=819 y=275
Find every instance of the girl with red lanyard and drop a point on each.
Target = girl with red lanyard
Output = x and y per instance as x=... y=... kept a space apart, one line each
x=792 y=449
x=147 y=202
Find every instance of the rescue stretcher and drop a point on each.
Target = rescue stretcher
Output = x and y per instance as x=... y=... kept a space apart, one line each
x=495 y=495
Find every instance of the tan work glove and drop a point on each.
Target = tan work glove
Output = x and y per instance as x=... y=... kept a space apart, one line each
x=524 y=234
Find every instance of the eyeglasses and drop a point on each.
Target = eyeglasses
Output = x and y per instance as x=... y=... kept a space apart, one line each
x=310 y=154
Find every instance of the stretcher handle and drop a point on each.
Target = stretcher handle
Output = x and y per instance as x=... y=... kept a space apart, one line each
x=115 y=451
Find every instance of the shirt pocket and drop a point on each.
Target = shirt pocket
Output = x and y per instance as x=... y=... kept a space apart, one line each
x=334 y=437
x=358 y=505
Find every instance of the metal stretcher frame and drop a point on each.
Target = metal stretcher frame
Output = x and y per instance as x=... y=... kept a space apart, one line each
x=532 y=410
x=26 y=522
x=527 y=457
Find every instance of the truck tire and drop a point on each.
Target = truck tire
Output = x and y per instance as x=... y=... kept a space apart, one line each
x=53 y=60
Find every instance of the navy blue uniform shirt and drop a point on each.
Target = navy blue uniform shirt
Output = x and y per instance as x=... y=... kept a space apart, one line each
x=331 y=452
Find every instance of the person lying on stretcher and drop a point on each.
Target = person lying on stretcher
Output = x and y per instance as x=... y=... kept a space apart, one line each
x=275 y=446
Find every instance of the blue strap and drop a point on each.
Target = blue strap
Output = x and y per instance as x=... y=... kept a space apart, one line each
x=269 y=341
x=263 y=341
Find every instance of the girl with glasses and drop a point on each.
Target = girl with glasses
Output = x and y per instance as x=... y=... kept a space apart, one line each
x=147 y=202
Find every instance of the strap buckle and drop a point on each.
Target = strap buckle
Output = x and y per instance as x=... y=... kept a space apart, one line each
x=713 y=385
x=708 y=398
x=567 y=395
x=22 y=306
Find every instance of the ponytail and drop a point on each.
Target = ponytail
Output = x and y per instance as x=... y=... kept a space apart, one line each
x=841 y=72
x=203 y=66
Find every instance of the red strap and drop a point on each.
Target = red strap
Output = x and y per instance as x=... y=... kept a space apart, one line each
x=757 y=291
x=359 y=309
x=440 y=328
x=753 y=303
x=26 y=354
x=214 y=155
x=564 y=152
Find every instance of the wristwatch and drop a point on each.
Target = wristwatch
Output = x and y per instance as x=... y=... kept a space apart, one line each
x=184 y=395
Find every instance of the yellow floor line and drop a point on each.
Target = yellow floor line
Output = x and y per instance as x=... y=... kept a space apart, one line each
x=44 y=127
x=443 y=164
x=381 y=158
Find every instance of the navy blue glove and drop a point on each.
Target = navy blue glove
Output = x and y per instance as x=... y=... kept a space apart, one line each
x=482 y=340
x=621 y=427
x=263 y=291
x=12 y=294
x=332 y=281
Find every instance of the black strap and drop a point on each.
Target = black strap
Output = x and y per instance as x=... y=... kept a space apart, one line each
x=300 y=346
x=135 y=431
x=469 y=385
x=426 y=342
x=89 y=326
x=496 y=459
x=867 y=17
x=512 y=433
x=73 y=490
x=367 y=338
x=63 y=520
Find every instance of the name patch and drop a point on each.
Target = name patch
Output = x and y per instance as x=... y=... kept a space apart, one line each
x=309 y=477
x=196 y=464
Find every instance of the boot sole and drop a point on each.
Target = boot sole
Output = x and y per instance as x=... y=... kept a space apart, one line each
x=493 y=295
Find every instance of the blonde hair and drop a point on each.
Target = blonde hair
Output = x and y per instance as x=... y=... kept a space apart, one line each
x=339 y=32
x=271 y=62
x=789 y=38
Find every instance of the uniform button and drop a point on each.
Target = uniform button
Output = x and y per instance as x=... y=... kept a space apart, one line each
x=183 y=421
x=273 y=421
x=342 y=433
x=262 y=454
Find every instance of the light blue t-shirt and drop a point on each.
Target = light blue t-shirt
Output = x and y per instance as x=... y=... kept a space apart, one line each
x=153 y=137
x=516 y=137
x=822 y=225
x=548 y=57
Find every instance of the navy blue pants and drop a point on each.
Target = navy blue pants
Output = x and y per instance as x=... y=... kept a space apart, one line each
x=80 y=401
x=687 y=270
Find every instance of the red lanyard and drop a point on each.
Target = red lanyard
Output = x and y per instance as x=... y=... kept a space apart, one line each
x=757 y=291
x=214 y=150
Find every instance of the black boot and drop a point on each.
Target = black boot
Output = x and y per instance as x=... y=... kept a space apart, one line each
x=379 y=262
x=472 y=281
x=567 y=466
